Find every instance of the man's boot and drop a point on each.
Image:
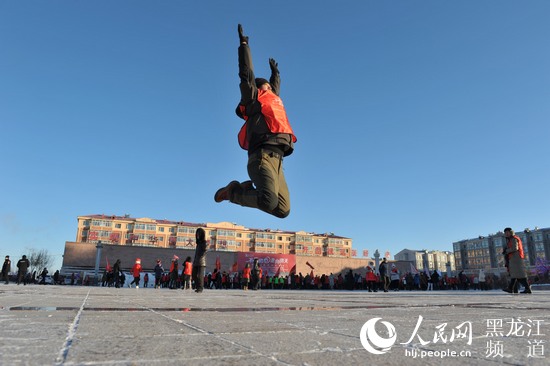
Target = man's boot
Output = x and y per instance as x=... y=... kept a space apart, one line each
x=512 y=287
x=526 y=285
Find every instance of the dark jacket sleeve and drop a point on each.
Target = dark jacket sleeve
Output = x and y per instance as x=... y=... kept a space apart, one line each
x=275 y=82
x=249 y=91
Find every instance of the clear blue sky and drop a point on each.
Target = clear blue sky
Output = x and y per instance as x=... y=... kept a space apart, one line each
x=419 y=123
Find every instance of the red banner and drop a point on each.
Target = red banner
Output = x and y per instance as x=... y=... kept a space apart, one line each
x=270 y=263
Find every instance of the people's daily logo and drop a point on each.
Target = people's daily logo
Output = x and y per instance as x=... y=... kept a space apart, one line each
x=498 y=332
x=372 y=341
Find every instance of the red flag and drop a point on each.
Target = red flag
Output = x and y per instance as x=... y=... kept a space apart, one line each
x=278 y=272
x=108 y=268
x=310 y=266
x=311 y=274
x=235 y=267
x=293 y=269
x=218 y=263
x=413 y=269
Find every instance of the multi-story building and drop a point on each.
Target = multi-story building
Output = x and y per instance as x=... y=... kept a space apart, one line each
x=224 y=236
x=485 y=252
x=429 y=260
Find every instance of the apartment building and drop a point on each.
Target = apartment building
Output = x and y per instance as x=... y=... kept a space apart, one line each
x=223 y=236
x=429 y=260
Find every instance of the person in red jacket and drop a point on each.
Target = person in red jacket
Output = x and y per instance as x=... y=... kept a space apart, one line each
x=246 y=276
x=371 y=279
x=514 y=258
x=136 y=270
x=266 y=135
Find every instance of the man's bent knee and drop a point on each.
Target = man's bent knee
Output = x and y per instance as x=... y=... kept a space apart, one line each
x=281 y=214
x=270 y=204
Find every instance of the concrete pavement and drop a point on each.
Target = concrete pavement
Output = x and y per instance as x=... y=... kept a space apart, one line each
x=66 y=325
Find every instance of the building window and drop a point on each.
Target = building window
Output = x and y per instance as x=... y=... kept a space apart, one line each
x=104 y=223
x=304 y=238
x=332 y=241
x=188 y=230
x=118 y=226
x=229 y=233
x=265 y=236
x=161 y=229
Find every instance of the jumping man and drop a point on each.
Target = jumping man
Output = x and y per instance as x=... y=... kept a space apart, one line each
x=266 y=135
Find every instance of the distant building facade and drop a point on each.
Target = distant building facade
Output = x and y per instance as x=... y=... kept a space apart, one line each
x=429 y=260
x=485 y=252
x=224 y=236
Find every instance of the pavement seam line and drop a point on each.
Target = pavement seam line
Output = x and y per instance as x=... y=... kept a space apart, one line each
x=236 y=344
x=71 y=334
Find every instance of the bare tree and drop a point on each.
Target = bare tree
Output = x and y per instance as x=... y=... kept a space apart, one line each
x=39 y=259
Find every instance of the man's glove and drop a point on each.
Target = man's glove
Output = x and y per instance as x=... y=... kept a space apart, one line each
x=242 y=37
x=274 y=66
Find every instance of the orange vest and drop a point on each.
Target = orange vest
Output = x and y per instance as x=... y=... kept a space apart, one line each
x=274 y=113
x=520 y=246
x=188 y=268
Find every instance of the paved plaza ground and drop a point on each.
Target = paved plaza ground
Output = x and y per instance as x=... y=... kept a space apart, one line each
x=66 y=325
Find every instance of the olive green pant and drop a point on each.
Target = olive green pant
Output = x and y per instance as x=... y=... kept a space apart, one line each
x=265 y=169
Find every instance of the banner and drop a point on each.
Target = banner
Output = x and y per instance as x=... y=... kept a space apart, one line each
x=270 y=263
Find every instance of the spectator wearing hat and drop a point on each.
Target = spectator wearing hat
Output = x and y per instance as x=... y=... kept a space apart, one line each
x=6 y=269
x=395 y=277
x=22 y=266
x=159 y=271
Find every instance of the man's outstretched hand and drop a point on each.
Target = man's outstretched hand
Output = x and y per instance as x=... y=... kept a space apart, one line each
x=274 y=66
x=242 y=38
